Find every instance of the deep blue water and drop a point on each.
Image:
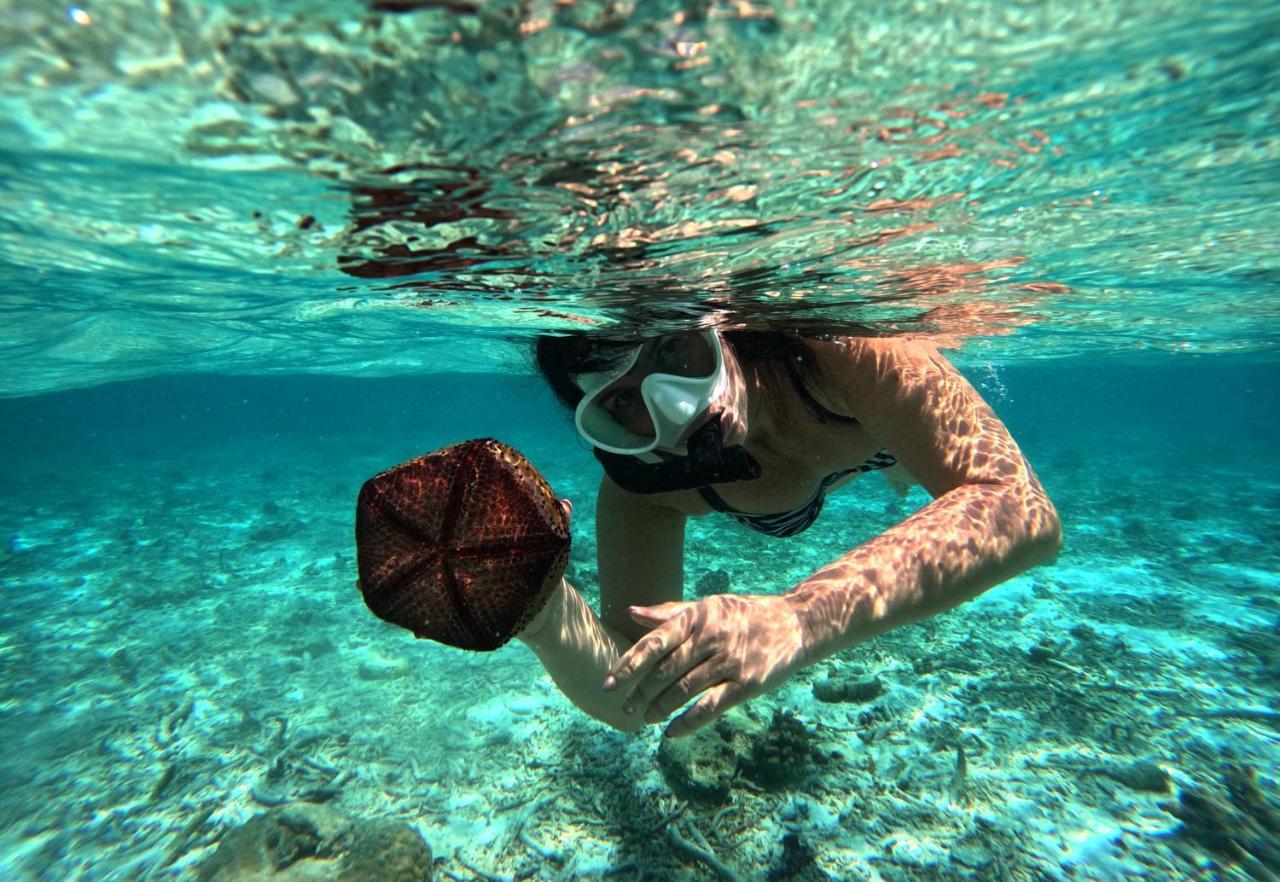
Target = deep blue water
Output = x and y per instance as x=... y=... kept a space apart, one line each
x=1189 y=410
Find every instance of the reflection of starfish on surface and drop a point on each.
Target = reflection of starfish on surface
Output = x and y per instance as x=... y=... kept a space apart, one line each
x=463 y=545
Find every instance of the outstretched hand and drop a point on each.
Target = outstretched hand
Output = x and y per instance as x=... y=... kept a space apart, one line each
x=722 y=650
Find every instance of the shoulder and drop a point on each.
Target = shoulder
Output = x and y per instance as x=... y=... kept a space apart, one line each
x=856 y=371
x=843 y=355
x=918 y=405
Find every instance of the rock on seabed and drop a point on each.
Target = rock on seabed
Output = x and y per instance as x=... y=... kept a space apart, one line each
x=316 y=843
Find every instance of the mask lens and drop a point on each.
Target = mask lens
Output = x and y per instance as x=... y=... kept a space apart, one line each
x=681 y=373
x=683 y=355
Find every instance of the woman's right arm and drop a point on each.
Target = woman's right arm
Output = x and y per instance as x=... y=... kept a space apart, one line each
x=640 y=554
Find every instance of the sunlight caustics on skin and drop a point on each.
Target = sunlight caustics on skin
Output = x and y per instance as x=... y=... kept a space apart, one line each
x=990 y=516
x=990 y=519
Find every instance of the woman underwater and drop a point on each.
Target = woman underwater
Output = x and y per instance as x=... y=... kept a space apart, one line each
x=761 y=425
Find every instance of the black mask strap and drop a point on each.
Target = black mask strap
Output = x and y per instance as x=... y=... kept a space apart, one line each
x=708 y=462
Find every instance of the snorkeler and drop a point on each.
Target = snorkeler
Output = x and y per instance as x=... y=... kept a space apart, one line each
x=759 y=426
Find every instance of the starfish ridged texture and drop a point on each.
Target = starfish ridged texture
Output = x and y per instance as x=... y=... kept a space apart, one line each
x=463 y=545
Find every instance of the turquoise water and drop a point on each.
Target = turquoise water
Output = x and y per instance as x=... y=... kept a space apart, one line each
x=252 y=254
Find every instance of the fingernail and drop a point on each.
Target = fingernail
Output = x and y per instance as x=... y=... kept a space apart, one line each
x=610 y=684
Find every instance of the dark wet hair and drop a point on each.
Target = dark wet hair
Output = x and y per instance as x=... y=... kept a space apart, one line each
x=562 y=358
x=772 y=354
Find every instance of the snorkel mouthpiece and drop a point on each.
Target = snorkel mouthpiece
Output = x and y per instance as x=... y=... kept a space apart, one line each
x=709 y=462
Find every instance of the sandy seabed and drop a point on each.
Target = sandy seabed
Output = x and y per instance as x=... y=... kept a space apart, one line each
x=182 y=646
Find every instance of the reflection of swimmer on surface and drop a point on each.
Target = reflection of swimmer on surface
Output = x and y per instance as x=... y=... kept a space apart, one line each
x=761 y=426
x=468 y=545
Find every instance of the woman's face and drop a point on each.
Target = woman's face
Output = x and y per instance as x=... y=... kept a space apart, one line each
x=685 y=354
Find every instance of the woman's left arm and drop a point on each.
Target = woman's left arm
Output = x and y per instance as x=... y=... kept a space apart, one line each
x=989 y=520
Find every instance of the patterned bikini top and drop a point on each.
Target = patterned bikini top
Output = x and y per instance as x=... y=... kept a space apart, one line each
x=789 y=523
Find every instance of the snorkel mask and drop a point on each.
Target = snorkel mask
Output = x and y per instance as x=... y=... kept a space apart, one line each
x=685 y=448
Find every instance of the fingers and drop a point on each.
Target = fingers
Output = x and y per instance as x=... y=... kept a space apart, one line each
x=674 y=680
x=714 y=702
x=636 y=662
x=657 y=614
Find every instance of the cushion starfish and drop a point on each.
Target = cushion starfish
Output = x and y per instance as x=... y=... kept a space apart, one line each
x=463 y=545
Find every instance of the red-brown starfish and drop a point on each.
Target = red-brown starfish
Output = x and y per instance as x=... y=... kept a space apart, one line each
x=463 y=545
